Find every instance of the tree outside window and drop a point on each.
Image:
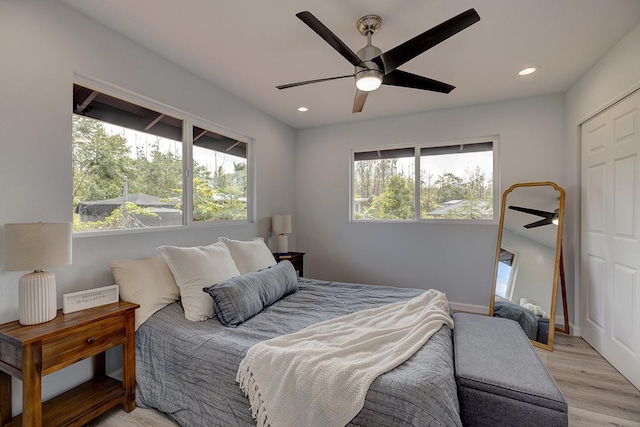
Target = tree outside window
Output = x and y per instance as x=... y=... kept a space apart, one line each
x=128 y=168
x=455 y=183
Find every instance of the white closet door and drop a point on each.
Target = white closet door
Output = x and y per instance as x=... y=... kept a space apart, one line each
x=611 y=235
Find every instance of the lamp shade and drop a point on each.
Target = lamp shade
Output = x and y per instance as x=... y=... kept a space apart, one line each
x=281 y=224
x=37 y=246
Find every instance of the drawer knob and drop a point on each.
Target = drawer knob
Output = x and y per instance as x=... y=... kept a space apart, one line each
x=90 y=340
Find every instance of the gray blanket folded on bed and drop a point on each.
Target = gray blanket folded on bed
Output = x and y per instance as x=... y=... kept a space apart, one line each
x=187 y=369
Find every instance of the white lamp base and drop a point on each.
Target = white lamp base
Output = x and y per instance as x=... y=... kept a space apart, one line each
x=37 y=297
x=283 y=244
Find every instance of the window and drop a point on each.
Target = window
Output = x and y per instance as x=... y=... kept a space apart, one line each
x=452 y=182
x=130 y=160
x=457 y=181
x=383 y=185
x=507 y=268
x=219 y=177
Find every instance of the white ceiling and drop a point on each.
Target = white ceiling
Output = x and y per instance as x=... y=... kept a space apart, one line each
x=249 y=47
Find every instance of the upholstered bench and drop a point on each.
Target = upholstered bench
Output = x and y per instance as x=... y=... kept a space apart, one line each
x=501 y=380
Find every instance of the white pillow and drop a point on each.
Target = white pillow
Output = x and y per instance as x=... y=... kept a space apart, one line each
x=147 y=282
x=249 y=256
x=195 y=268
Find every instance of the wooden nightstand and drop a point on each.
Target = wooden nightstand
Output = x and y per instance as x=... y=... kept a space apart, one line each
x=296 y=258
x=31 y=352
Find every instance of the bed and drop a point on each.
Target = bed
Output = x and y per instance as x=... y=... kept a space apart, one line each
x=534 y=326
x=188 y=369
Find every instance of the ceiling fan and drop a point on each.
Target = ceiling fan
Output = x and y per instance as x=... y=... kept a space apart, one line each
x=373 y=68
x=548 y=217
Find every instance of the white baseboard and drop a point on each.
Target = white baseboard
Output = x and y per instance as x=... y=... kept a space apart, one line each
x=469 y=308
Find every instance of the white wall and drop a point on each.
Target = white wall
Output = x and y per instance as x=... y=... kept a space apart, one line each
x=43 y=43
x=534 y=270
x=615 y=75
x=457 y=259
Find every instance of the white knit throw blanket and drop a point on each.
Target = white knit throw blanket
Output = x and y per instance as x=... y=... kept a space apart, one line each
x=320 y=375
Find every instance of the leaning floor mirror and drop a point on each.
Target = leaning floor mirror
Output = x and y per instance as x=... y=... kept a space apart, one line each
x=528 y=256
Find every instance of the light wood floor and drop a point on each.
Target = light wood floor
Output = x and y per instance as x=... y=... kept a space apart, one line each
x=596 y=393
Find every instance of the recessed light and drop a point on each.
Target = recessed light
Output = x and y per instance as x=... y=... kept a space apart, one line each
x=527 y=71
x=303 y=109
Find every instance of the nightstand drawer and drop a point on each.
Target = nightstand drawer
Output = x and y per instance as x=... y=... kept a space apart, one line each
x=82 y=343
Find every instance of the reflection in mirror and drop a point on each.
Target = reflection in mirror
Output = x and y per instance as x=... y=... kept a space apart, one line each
x=506 y=273
x=527 y=259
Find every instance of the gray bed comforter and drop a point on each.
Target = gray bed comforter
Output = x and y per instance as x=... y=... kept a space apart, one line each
x=187 y=369
x=527 y=320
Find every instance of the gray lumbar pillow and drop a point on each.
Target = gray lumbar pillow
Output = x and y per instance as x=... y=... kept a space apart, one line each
x=242 y=297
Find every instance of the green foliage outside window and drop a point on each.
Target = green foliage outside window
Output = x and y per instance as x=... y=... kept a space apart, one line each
x=126 y=215
x=384 y=189
x=396 y=202
x=102 y=162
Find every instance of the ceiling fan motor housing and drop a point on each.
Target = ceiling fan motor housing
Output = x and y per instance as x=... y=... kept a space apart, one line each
x=373 y=72
x=369 y=78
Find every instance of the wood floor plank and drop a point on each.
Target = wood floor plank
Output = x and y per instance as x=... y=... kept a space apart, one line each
x=581 y=417
x=139 y=417
x=597 y=394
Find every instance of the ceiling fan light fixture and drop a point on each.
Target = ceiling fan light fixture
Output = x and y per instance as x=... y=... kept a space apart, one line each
x=368 y=83
x=368 y=80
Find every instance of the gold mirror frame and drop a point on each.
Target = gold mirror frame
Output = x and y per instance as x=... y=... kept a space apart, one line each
x=557 y=263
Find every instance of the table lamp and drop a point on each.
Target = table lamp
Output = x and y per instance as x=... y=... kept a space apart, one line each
x=281 y=225
x=35 y=247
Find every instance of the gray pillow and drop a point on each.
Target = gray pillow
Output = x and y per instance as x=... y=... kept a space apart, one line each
x=242 y=297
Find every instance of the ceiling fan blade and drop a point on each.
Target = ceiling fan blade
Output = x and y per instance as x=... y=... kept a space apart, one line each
x=540 y=223
x=414 y=81
x=308 y=82
x=330 y=38
x=543 y=214
x=358 y=102
x=408 y=50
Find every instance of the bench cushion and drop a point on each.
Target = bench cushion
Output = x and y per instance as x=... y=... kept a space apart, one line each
x=501 y=379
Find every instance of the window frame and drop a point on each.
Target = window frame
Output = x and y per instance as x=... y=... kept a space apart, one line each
x=189 y=121
x=417 y=147
x=513 y=272
x=192 y=122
